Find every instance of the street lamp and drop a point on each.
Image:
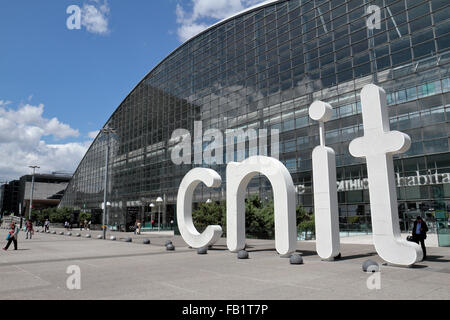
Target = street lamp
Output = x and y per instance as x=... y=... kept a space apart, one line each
x=159 y=201
x=32 y=187
x=208 y=201
x=106 y=131
x=152 y=205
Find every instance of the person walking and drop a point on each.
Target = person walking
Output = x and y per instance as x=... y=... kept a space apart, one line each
x=419 y=234
x=12 y=236
x=139 y=227
x=46 y=225
x=29 y=229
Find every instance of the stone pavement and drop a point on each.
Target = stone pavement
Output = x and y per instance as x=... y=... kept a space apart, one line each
x=119 y=270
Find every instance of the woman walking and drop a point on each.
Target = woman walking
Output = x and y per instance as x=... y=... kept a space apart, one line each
x=12 y=236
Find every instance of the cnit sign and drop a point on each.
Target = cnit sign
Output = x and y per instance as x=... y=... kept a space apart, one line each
x=377 y=146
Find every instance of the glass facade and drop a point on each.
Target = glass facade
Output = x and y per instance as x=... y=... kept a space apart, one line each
x=262 y=69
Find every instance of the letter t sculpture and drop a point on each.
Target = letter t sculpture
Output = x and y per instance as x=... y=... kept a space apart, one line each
x=378 y=145
x=325 y=188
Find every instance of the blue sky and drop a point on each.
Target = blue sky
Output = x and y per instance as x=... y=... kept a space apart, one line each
x=59 y=86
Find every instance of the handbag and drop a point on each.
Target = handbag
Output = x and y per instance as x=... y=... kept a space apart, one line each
x=8 y=236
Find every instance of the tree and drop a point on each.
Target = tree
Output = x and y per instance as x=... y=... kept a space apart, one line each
x=60 y=215
x=259 y=218
x=210 y=214
x=85 y=216
x=305 y=220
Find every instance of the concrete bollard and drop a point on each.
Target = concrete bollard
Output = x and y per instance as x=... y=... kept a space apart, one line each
x=88 y=236
x=203 y=250
x=170 y=247
x=370 y=266
x=146 y=241
x=112 y=238
x=99 y=237
x=61 y=233
x=296 y=259
x=242 y=254
x=78 y=235
x=168 y=242
x=128 y=240
x=69 y=234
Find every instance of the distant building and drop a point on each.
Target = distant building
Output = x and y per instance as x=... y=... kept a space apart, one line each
x=48 y=192
x=9 y=198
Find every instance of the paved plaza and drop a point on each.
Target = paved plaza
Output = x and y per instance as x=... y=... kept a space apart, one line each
x=120 y=270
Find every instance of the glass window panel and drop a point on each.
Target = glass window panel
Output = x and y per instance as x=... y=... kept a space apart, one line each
x=434 y=146
x=424 y=49
x=442 y=28
x=362 y=70
x=440 y=15
x=383 y=63
x=400 y=44
x=443 y=42
x=437 y=4
x=420 y=24
x=401 y=57
x=418 y=11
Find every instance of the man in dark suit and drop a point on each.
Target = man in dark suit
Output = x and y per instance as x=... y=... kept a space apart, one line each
x=419 y=234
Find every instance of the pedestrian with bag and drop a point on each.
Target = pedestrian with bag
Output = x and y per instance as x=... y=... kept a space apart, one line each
x=419 y=234
x=12 y=236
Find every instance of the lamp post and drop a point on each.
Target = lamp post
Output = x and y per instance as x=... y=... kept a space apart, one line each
x=159 y=201
x=106 y=131
x=152 y=205
x=32 y=187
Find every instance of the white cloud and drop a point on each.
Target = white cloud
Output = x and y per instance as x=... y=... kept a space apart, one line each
x=93 y=134
x=203 y=11
x=95 y=17
x=21 y=142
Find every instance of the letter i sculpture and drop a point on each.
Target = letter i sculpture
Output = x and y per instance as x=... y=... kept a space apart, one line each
x=378 y=145
x=325 y=188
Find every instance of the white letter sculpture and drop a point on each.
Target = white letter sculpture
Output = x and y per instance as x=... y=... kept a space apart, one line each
x=184 y=208
x=377 y=146
x=238 y=178
x=325 y=192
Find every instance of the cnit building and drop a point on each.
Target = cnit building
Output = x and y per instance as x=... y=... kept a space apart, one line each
x=262 y=69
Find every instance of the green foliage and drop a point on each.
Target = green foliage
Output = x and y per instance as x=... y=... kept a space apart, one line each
x=85 y=216
x=58 y=215
x=305 y=221
x=352 y=220
x=210 y=214
x=38 y=216
x=259 y=218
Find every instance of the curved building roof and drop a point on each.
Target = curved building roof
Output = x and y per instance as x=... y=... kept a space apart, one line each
x=261 y=69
